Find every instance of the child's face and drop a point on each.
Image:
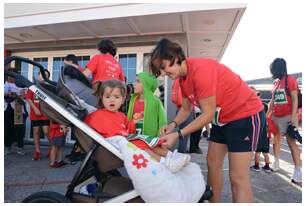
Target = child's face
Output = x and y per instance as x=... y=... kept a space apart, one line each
x=112 y=99
x=138 y=88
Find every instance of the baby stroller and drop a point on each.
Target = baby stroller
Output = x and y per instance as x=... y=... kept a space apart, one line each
x=61 y=103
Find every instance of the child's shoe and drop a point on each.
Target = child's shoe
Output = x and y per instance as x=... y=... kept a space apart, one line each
x=176 y=161
x=55 y=165
x=255 y=168
x=20 y=151
x=267 y=168
x=36 y=156
x=62 y=163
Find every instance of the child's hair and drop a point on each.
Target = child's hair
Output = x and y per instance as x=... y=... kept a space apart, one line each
x=107 y=46
x=73 y=58
x=102 y=85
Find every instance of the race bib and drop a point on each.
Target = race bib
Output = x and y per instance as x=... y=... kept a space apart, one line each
x=280 y=97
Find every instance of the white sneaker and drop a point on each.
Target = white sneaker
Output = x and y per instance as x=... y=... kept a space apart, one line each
x=275 y=165
x=20 y=151
x=297 y=175
x=176 y=161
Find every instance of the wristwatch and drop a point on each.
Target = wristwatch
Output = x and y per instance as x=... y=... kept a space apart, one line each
x=180 y=134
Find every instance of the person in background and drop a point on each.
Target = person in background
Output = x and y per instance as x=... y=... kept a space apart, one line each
x=57 y=137
x=104 y=66
x=177 y=99
x=20 y=115
x=72 y=60
x=38 y=119
x=10 y=95
x=263 y=145
x=284 y=109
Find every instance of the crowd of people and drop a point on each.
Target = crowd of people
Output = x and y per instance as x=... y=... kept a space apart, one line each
x=207 y=95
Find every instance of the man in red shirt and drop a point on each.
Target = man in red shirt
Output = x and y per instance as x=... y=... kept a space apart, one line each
x=227 y=101
x=104 y=66
x=38 y=119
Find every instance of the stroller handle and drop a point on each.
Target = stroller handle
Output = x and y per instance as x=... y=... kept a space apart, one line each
x=29 y=61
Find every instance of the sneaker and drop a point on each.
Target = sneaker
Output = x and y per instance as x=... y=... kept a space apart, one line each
x=297 y=176
x=255 y=168
x=55 y=165
x=7 y=151
x=20 y=151
x=36 y=156
x=267 y=168
x=275 y=165
x=62 y=163
x=176 y=161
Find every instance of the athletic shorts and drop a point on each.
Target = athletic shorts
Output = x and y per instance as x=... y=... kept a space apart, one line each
x=241 y=135
x=58 y=141
x=282 y=123
x=37 y=123
x=263 y=143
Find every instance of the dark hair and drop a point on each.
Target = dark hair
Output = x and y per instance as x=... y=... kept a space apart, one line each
x=102 y=85
x=73 y=58
x=107 y=46
x=46 y=71
x=278 y=68
x=165 y=50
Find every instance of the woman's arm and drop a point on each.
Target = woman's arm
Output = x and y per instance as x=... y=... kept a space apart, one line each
x=294 y=117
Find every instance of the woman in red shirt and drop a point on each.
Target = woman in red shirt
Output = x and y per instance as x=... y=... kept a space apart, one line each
x=227 y=101
x=284 y=108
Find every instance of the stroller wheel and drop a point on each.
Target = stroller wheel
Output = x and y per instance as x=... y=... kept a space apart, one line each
x=207 y=194
x=46 y=197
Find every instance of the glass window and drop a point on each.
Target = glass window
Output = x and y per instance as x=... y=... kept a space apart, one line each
x=57 y=65
x=145 y=62
x=128 y=63
x=43 y=61
x=83 y=60
x=24 y=69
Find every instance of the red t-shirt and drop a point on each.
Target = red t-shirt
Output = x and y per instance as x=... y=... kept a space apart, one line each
x=55 y=131
x=207 y=77
x=35 y=99
x=282 y=102
x=176 y=96
x=105 y=67
x=109 y=123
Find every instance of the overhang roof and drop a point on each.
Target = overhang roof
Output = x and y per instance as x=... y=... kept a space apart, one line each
x=208 y=27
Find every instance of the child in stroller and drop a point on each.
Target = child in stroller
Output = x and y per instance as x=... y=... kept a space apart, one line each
x=111 y=94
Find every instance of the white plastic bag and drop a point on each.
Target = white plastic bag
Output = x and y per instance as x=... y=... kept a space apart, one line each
x=154 y=182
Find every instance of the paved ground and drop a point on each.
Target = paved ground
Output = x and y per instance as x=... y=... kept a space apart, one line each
x=24 y=177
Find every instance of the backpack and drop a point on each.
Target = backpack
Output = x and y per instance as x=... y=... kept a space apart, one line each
x=299 y=94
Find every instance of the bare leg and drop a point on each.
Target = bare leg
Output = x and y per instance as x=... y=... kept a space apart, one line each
x=46 y=132
x=276 y=146
x=53 y=154
x=36 y=137
x=267 y=159
x=59 y=156
x=239 y=163
x=215 y=157
x=257 y=156
x=295 y=152
x=153 y=155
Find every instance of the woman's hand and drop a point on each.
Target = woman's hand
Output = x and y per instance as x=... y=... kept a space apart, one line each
x=294 y=120
x=167 y=129
x=169 y=140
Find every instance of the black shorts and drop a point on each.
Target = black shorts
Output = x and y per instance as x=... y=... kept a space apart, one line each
x=37 y=123
x=240 y=135
x=263 y=142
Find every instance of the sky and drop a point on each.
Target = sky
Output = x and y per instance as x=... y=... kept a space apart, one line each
x=267 y=30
